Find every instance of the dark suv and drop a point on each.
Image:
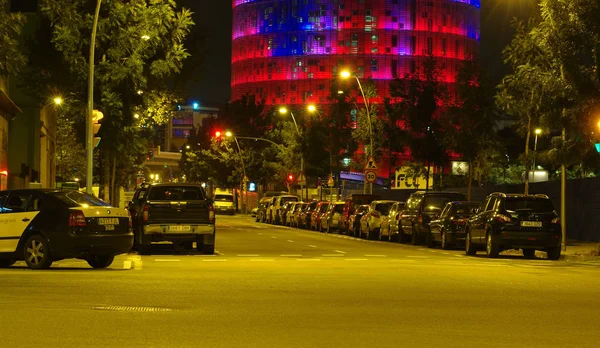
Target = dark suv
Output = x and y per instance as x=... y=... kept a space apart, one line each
x=420 y=209
x=515 y=221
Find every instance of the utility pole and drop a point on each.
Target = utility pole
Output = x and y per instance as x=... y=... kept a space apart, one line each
x=89 y=122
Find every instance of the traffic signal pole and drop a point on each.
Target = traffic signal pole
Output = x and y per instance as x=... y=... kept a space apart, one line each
x=89 y=123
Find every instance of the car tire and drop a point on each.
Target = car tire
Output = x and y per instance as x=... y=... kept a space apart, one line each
x=529 y=253
x=392 y=237
x=491 y=248
x=100 y=261
x=414 y=238
x=6 y=263
x=36 y=252
x=469 y=247
x=444 y=238
x=328 y=229
x=429 y=240
x=553 y=253
x=208 y=249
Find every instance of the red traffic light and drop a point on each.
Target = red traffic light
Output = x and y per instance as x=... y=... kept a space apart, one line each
x=217 y=134
x=290 y=177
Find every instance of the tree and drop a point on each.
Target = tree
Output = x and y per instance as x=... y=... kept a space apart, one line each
x=138 y=47
x=70 y=154
x=469 y=123
x=12 y=59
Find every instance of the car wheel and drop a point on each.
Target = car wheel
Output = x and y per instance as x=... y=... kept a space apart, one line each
x=429 y=240
x=100 y=261
x=414 y=239
x=469 y=247
x=553 y=253
x=208 y=249
x=445 y=244
x=6 y=263
x=529 y=253
x=491 y=247
x=37 y=253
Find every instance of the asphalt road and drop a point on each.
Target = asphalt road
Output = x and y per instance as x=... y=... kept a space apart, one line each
x=280 y=287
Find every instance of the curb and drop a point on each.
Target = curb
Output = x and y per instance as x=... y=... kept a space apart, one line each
x=579 y=258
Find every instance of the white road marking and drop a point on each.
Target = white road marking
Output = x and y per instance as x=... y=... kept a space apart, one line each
x=248 y=255
x=260 y=234
x=291 y=255
x=340 y=255
x=421 y=249
x=403 y=260
x=419 y=257
x=304 y=260
x=375 y=255
x=166 y=260
x=273 y=237
x=339 y=251
x=460 y=255
x=261 y=260
x=312 y=246
x=432 y=251
x=214 y=260
x=356 y=259
x=291 y=241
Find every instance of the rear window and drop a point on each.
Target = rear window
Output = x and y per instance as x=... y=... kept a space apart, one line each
x=438 y=202
x=75 y=199
x=224 y=198
x=288 y=199
x=530 y=204
x=413 y=202
x=362 y=209
x=465 y=208
x=383 y=208
x=175 y=193
x=323 y=208
x=339 y=208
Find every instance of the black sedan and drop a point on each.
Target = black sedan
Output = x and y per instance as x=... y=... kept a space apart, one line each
x=46 y=225
x=449 y=228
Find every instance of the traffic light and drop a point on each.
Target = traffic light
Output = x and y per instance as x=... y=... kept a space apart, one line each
x=290 y=177
x=96 y=117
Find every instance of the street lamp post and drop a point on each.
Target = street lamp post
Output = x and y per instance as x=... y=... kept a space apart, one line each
x=345 y=75
x=88 y=123
x=242 y=182
x=537 y=132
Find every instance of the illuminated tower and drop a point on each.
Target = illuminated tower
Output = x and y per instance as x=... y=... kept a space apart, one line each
x=288 y=51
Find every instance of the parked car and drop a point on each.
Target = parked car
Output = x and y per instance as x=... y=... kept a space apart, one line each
x=297 y=216
x=351 y=202
x=261 y=215
x=307 y=214
x=275 y=211
x=41 y=226
x=177 y=213
x=370 y=223
x=449 y=228
x=315 y=219
x=515 y=221
x=286 y=212
x=421 y=208
x=224 y=202
x=390 y=222
x=254 y=213
x=354 y=220
x=330 y=220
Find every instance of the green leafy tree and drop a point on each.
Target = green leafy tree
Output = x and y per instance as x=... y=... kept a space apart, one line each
x=70 y=154
x=12 y=58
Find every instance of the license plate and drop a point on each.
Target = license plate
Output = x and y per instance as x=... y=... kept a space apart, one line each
x=179 y=228
x=109 y=227
x=531 y=223
x=108 y=221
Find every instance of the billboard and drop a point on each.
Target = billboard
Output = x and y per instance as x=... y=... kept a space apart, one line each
x=406 y=179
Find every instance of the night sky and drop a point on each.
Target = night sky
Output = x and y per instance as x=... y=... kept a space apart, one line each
x=213 y=19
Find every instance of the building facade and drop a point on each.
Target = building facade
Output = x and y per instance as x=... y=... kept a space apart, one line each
x=288 y=51
x=8 y=110
x=186 y=119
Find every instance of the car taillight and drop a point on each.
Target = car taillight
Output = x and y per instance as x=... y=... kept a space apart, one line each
x=77 y=219
x=556 y=220
x=502 y=218
x=130 y=220
x=459 y=221
x=211 y=213
x=145 y=214
x=420 y=219
x=375 y=214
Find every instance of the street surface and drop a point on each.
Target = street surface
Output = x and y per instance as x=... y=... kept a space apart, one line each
x=272 y=286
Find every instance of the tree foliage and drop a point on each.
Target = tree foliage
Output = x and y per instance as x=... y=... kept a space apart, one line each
x=12 y=59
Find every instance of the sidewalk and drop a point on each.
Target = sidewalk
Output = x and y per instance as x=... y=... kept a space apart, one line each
x=581 y=251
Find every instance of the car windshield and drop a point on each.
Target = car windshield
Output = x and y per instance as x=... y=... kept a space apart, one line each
x=288 y=199
x=78 y=199
x=224 y=198
x=538 y=205
x=174 y=193
x=323 y=207
x=383 y=208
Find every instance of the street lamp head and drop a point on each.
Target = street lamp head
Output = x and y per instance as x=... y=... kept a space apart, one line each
x=58 y=101
x=228 y=134
x=345 y=74
x=538 y=131
x=187 y=147
x=136 y=116
x=311 y=108
x=283 y=110
x=340 y=92
x=145 y=37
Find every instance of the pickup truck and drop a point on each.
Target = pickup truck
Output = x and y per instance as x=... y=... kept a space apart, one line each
x=177 y=213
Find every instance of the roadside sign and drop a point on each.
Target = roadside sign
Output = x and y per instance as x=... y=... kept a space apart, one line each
x=371 y=164
x=330 y=181
x=370 y=176
x=246 y=179
x=301 y=179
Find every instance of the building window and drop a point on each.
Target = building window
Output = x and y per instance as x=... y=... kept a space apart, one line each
x=181 y=133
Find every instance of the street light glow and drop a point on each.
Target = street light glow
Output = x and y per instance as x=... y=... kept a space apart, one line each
x=538 y=131
x=58 y=100
x=345 y=74
x=136 y=116
x=283 y=110
x=228 y=134
x=311 y=108
x=187 y=147
x=145 y=37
